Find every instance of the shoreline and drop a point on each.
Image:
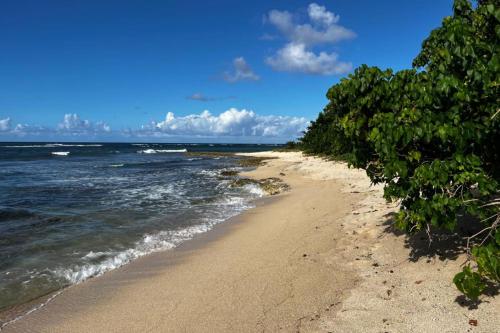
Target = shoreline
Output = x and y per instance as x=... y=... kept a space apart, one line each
x=16 y=312
x=321 y=257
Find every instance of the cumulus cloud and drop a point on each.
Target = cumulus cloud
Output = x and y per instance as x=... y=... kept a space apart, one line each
x=240 y=125
x=240 y=71
x=5 y=124
x=319 y=14
x=297 y=54
x=71 y=125
x=232 y=122
x=74 y=124
x=294 y=57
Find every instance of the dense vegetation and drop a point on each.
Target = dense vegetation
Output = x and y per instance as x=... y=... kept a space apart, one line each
x=430 y=134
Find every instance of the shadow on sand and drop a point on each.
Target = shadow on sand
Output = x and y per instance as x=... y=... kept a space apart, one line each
x=441 y=245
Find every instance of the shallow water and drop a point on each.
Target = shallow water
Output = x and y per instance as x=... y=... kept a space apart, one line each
x=75 y=210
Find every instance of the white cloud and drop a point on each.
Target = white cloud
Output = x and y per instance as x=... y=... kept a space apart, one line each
x=297 y=55
x=319 y=14
x=240 y=71
x=5 y=124
x=73 y=124
x=240 y=125
x=232 y=122
x=294 y=57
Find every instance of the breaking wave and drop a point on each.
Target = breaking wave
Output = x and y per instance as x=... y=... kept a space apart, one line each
x=155 y=151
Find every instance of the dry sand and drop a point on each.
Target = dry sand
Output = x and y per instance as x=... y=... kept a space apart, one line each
x=320 y=258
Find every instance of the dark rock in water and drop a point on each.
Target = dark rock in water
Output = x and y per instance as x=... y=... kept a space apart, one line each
x=210 y=154
x=253 y=161
x=274 y=185
x=270 y=185
x=229 y=173
x=243 y=181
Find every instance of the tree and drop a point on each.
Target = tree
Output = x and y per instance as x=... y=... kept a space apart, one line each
x=430 y=134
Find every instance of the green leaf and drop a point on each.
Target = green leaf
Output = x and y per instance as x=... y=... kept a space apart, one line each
x=469 y=283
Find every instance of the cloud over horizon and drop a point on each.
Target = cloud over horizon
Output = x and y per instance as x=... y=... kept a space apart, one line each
x=297 y=55
x=232 y=122
x=5 y=124
x=73 y=124
x=236 y=123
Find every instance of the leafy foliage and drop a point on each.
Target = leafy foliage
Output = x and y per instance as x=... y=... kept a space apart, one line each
x=430 y=133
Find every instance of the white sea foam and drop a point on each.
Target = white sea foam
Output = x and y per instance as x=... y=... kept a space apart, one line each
x=116 y=165
x=159 y=191
x=155 y=151
x=33 y=309
x=60 y=153
x=254 y=189
x=150 y=243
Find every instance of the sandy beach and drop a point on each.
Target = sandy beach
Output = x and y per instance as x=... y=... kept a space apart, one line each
x=321 y=257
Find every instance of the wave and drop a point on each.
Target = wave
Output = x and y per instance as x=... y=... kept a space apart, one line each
x=255 y=190
x=60 y=153
x=116 y=165
x=54 y=145
x=97 y=263
x=109 y=260
x=155 y=151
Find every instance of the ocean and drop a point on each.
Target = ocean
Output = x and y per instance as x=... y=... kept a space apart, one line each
x=71 y=211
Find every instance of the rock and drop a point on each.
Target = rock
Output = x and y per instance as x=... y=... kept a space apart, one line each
x=229 y=173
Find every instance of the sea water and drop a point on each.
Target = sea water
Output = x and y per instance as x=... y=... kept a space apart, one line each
x=71 y=211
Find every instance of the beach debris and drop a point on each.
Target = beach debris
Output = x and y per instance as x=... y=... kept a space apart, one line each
x=282 y=174
x=419 y=281
x=473 y=322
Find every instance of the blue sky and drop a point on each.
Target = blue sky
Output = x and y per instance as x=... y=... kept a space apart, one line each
x=148 y=70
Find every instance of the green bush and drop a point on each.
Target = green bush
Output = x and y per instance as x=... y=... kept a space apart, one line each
x=431 y=134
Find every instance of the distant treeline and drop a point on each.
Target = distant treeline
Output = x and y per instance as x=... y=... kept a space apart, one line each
x=430 y=134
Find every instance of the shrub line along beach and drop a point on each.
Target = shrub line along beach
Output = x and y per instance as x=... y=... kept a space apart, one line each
x=321 y=256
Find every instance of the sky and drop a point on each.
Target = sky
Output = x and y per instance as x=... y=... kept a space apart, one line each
x=191 y=71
